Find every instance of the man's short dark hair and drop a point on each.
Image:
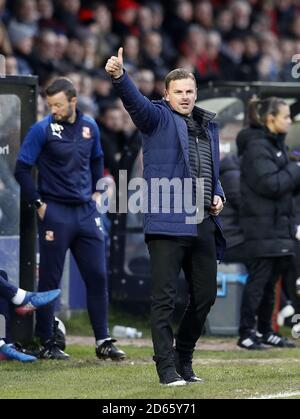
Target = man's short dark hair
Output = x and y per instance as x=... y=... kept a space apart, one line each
x=179 y=74
x=62 y=84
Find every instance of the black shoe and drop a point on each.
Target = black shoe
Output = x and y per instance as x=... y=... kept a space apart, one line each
x=51 y=350
x=185 y=370
x=251 y=343
x=277 y=341
x=171 y=379
x=28 y=351
x=108 y=350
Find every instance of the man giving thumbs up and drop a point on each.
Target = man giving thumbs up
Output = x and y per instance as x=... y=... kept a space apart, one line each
x=180 y=142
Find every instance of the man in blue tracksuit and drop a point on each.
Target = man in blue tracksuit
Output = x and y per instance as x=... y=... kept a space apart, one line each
x=66 y=148
x=180 y=141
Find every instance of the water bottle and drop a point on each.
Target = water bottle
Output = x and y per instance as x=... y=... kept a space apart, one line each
x=126 y=332
x=2 y=66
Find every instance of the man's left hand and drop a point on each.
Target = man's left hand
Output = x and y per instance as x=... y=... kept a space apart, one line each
x=217 y=206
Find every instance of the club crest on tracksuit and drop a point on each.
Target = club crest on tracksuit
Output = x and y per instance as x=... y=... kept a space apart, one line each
x=86 y=133
x=49 y=236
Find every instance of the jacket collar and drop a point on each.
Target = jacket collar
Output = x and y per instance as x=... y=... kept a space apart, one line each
x=203 y=116
x=277 y=139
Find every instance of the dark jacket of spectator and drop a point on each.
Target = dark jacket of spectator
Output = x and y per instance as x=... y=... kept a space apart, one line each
x=230 y=174
x=268 y=180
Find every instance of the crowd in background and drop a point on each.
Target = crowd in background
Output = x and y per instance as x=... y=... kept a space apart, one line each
x=217 y=40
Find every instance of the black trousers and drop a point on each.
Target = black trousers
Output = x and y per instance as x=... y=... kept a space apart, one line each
x=197 y=257
x=259 y=293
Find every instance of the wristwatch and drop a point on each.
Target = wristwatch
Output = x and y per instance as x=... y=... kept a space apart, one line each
x=38 y=203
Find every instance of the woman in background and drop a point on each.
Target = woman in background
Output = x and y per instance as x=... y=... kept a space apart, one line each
x=268 y=182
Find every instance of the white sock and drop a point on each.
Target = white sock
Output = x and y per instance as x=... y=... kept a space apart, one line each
x=2 y=342
x=99 y=342
x=19 y=297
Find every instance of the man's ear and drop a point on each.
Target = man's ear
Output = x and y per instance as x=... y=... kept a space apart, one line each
x=166 y=96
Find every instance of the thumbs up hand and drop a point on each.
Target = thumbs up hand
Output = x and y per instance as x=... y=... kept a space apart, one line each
x=114 y=66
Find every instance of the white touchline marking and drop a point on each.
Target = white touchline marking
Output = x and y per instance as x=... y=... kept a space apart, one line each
x=276 y=396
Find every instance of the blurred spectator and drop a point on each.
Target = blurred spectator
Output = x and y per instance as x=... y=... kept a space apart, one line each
x=288 y=49
x=230 y=58
x=125 y=22
x=248 y=70
x=101 y=28
x=46 y=15
x=103 y=92
x=131 y=53
x=145 y=82
x=75 y=54
x=224 y=22
x=11 y=65
x=5 y=43
x=75 y=78
x=294 y=28
x=159 y=86
x=61 y=47
x=268 y=44
x=111 y=123
x=285 y=11
x=42 y=108
x=87 y=106
x=43 y=59
x=90 y=50
x=4 y=13
x=131 y=143
x=85 y=96
x=145 y=20
x=158 y=16
x=241 y=17
x=179 y=20
x=22 y=43
x=193 y=46
x=152 y=57
x=209 y=67
x=25 y=18
x=203 y=14
x=267 y=69
x=67 y=15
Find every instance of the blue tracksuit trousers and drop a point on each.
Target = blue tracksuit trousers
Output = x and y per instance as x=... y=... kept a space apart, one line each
x=78 y=228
